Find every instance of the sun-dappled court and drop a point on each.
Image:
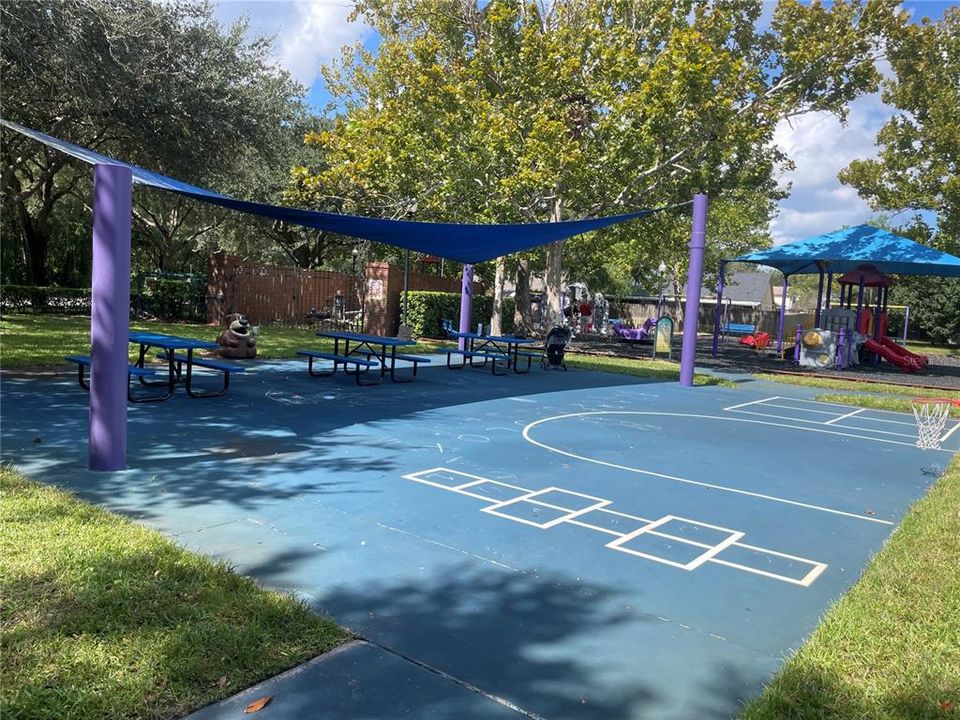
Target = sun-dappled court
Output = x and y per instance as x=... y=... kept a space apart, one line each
x=561 y=544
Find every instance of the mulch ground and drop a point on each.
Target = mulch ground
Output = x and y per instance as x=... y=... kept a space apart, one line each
x=942 y=372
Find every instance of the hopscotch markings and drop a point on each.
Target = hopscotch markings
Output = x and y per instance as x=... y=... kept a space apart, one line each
x=583 y=505
x=842 y=417
x=498 y=508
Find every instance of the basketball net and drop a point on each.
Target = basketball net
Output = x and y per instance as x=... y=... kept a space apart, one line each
x=931 y=415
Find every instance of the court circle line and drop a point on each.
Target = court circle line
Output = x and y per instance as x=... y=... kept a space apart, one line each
x=674 y=478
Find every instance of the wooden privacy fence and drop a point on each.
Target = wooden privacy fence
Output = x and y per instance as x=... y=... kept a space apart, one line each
x=291 y=296
x=277 y=295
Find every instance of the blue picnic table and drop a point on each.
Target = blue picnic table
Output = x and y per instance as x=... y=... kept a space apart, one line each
x=497 y=348
x=178 y=352
x=363 y=352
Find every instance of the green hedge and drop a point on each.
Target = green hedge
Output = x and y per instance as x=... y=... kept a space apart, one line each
x=428 y=309
x=31 y=298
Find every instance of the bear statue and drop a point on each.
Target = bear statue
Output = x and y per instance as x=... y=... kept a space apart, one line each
x=237 y=339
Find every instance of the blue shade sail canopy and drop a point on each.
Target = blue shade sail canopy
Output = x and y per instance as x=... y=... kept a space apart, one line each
x=844 y=250
x=467 y=243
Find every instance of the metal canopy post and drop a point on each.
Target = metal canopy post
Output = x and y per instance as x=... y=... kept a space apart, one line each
x=719 y=310
x=406 y=283
x=466 y=300
x=829 y=288
x=110 y=316
x=783 y=310
x=859 y=302
x=691 y=315
x=816 y=320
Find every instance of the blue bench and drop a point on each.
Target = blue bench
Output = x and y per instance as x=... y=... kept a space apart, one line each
x=355 y=360
x=738 y=329
x=472 y=354
x=84 y=361
x=408 y=358
x=208 y=363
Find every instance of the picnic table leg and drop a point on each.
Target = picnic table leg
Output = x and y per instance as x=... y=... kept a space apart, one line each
x=393 y=366
x=189 y=383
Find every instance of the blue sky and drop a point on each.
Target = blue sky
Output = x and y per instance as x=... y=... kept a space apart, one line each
x=311 y=32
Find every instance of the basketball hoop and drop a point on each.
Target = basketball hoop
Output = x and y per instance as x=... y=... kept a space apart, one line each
x=931 y=415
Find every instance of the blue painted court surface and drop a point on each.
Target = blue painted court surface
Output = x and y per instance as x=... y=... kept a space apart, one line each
x=554 y=545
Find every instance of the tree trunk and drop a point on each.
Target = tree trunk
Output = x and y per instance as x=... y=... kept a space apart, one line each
x=552 y=312
x=496 y=319
x=522 y=317
x=36 y=242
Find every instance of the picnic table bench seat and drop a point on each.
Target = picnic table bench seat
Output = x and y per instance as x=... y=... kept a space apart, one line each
x=414 y=359
x=355 y=360
x=85 y=361
x=471 y=354
x=209 y=363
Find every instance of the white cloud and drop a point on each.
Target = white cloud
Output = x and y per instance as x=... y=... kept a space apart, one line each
x=308 y=32
x=820 y=147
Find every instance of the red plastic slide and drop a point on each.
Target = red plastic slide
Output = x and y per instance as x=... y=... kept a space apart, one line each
x=899 y=356
x=897 y=347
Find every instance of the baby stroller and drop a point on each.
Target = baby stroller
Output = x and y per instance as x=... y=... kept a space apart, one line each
x=554 y=348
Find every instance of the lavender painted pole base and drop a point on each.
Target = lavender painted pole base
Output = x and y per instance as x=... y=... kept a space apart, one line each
x=698 y=243
x=110 y=316
x=466 y=301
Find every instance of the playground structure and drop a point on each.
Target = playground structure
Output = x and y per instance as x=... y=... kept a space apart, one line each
x=862 y=258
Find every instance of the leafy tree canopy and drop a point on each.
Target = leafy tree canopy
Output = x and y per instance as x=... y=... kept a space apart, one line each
x=919 y=159
x=160 y=84
x=521 y=111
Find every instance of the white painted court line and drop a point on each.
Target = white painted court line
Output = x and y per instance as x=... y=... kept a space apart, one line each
x=949 y=432
x=798 y=427
x=880 y=432
x=648 y=527
x=752 y=402
x=803 y=410
x=713 y=486
x=842 y=417
x=870 y=418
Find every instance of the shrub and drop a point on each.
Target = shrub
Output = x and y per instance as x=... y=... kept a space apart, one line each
x=427 y=310
x=56 y=300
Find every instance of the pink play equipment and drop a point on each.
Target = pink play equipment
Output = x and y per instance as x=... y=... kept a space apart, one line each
x=872 y=322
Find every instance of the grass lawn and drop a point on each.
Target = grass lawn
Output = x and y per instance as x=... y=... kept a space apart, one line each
x=658 y=369
x=43 y=340
x=890 y=648
x=102 y=618
x=879 y=396
x=928 y=349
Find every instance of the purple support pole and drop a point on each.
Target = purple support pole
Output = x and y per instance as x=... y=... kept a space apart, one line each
x=841 y=362
x=719 y=311
x=876 y=314
x=466 y=300
x=783 y=310
x=816 y=321
x=796 y=344
x=906 y=322
x=859 y=303
x=110 y=316
x=691 y=315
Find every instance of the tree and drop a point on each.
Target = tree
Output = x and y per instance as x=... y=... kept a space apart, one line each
x=919 y=158
x=525 y=111
x=159 y=84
